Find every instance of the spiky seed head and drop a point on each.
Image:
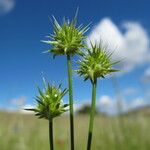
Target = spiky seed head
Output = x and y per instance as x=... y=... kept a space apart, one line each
x=96 y=63
x=49 y=102
x=67 y=38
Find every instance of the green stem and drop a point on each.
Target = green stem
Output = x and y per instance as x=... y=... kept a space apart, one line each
x=70 y=101
x=92 y=114
x=51 y=134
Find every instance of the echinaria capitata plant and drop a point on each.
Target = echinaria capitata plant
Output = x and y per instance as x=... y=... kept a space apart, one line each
x=49 y=105
x=67 y=39
x=95 y=63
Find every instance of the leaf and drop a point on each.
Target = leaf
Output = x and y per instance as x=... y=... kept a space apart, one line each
x=65 y=105
x=31 y=109
x=40 y=102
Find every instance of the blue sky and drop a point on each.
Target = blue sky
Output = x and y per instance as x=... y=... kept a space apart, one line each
x=23 y=24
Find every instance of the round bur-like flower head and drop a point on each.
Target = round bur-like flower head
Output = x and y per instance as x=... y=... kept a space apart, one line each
x=49 y=102
x=95 y=63
x=67 y=39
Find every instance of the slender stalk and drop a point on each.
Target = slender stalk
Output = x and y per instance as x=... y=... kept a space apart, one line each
x=70 y=101
x=92 y=114
x=51 y=134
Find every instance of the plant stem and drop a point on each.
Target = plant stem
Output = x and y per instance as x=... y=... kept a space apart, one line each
x=92 y=114
x=51 y=134
x=70 y=101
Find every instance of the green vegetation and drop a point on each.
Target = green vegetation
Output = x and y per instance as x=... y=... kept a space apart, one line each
x=67 y=39
x=96 y=63
x=25 y=132
x=49 y=106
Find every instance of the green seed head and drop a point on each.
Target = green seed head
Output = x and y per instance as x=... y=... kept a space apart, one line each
x=95 y=63
x=67 y=39
x=49 y=102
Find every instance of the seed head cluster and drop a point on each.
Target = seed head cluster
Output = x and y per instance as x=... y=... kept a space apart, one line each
x=96 y=62
x=49 y=102
x=67 y=39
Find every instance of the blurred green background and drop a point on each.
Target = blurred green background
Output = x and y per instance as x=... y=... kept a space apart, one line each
x=126 y=132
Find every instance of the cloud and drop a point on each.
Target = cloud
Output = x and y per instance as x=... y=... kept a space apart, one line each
x=147 y=72
x=6 y=6
x=136 y=103
x=132 y=45
x=109 y=104
x=146 y=76
x=105 y=100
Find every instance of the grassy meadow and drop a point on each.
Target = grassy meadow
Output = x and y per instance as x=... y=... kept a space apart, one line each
x=25 y=132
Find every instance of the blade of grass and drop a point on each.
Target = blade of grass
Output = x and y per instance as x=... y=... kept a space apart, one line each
x=92 y=114
x=70 y=101
x=51 y=134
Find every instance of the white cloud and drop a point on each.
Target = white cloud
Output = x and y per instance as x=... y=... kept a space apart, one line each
x=146 y=76
x=28 y=106
x=110 y=106
x=105 y=100
x=147 y=72
x=107 y=104
x=6 y=6
x=138 y=102
x=132 y=45
x=20 y=109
